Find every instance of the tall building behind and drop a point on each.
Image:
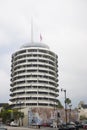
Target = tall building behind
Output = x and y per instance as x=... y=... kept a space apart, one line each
x=34 y=77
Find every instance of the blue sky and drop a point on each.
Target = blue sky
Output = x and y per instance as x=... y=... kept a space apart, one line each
x=63 y=26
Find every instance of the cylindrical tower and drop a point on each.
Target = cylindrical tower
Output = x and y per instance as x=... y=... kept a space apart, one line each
x=34 y=77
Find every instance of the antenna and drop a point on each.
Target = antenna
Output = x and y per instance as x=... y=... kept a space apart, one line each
x=32 y=29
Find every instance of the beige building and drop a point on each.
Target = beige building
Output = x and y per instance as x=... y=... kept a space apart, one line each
x=82 y=110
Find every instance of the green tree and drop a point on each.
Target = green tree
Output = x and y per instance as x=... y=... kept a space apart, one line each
x=83 y=117
x=6 y=106
x=5 y=115
x=68 y=101
x=9 y=115
x=59 y=105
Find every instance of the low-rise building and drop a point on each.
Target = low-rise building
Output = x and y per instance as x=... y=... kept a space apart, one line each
x=82 y=110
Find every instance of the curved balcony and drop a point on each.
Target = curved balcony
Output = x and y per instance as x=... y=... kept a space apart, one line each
x=34 y=73
x=37 y=76
x=34 y=76
x=40 y=70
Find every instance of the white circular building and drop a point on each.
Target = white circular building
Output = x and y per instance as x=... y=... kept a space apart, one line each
x=34 y=77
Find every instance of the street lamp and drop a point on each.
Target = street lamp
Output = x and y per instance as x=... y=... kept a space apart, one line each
x=64 y=90
x=70 y=112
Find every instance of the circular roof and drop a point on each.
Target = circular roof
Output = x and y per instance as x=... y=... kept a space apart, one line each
x=33 y=44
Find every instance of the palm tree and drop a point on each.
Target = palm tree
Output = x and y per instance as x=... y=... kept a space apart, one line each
x=68 y=101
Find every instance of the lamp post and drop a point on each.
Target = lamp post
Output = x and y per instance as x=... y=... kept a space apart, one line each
x=64 y=90
x=70 y=112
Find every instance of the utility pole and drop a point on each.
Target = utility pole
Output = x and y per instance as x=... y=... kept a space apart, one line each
x=64 y=90
x=70 y=112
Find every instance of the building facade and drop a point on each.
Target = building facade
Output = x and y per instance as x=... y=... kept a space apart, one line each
x=34 y=77
x=82 y=111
